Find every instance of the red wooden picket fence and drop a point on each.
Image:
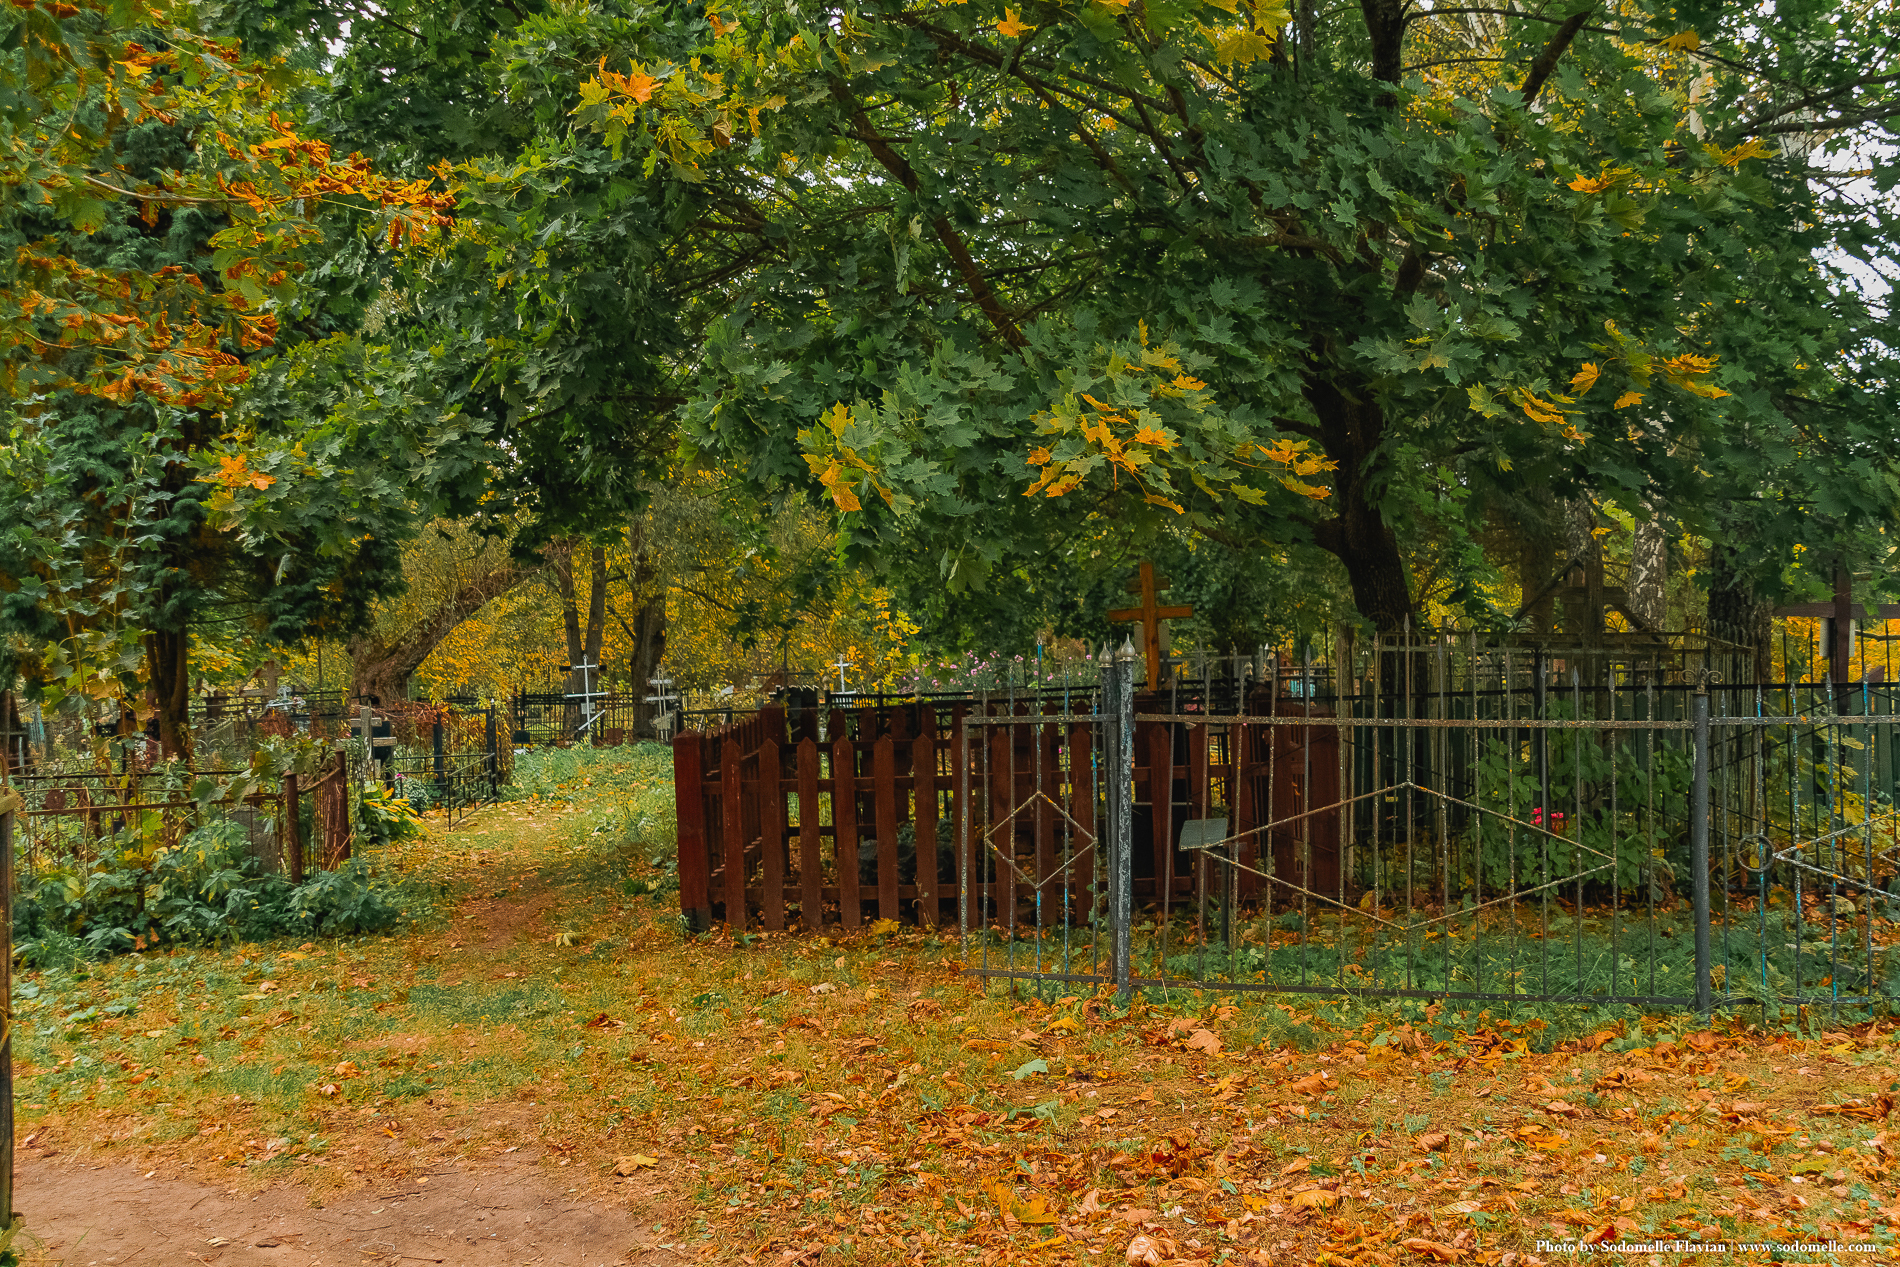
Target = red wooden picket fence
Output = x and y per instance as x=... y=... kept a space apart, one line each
x=799 y=817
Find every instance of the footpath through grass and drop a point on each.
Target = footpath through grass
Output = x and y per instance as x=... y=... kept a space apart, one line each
x=817 y=1100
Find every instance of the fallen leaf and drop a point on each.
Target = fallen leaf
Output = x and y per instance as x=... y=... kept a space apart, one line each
x=1204 y=1040
x=1433 y=1249
x=1144 y=1251
x=1314 y=1199
x=634 y=1163
x=1311 y=1084
x=824 y=987
x=1434 y=1141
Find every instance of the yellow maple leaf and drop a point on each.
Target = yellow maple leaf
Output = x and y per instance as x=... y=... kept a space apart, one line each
x=1039 y=456
x=1683 y=41
x=720 y=25
x=838 y=417
x=1188 y=383
x=1012 y=26
x=1627 y=399
x=1243 y=48
x=1160 y=439
x=1591 y=184
x=1752 y=148
x=1584 y=379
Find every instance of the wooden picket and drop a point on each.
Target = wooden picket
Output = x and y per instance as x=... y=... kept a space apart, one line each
x=758 y=798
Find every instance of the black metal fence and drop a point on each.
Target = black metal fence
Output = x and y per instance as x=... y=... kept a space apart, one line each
x=1439 y=819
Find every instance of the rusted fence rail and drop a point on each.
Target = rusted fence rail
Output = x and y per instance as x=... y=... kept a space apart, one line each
x=73 y=819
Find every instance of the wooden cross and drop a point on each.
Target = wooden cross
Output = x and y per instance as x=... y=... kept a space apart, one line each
x=1150 y=617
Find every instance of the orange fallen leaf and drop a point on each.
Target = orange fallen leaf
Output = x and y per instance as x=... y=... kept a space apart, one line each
x=1433 y=1249
x=1311 y=1084
x=1314 y=1199
x=1204 y=1040
x=1144 y=1251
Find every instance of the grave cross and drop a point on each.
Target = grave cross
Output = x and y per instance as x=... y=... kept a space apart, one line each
x=841 y=666
x=1150 y=616
x=586 y=695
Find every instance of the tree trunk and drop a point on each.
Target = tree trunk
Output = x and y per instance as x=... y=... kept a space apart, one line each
x=1649 y=574
x=382 y=667
x=168 y=669
x=1738 y=618
x=583 y=645
x=1351 y=428
x=648 y=634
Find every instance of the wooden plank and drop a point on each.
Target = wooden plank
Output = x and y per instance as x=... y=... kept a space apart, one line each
x=1240 y=794
x=1082 y=808
x=1160 y=749
x=771 y=802
x=689 y=808
x=293 y=828
x=844 y=824
x=996 y=838
x=923 y=764
x=1047 y=777
x=884 y=770
x=811 y=865
x=732 y=836
x=961 y=799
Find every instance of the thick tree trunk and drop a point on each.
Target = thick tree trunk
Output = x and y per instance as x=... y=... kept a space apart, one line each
x=1738 y=618
x=648 y=634
x=382 y=667
x=1649 y=574
x=583 y=644
x=1351 y=428
x=168 y=670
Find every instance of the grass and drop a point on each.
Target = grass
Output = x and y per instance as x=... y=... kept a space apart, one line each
x=863 y=1097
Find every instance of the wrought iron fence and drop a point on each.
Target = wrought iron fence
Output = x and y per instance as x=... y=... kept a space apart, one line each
x=1492 y=824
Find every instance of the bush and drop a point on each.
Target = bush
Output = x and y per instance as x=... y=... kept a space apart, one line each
x=206 y=888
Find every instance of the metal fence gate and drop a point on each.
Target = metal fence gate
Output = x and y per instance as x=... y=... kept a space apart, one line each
x=1440 y=819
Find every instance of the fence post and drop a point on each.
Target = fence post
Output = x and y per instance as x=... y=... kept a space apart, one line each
x=1121 y=818
x=1699 y=843
x=689 y=803
x=293 y=830
x=441 y=774
x=7 y=1217
x=494 y=758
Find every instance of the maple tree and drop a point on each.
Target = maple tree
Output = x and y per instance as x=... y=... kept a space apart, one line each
x=1392 y=268
x=162 y=219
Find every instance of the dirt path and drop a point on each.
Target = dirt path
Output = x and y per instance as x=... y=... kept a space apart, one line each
x=415 y=1204
x=499 y=1217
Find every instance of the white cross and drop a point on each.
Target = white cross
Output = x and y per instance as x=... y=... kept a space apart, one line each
x=841 y=666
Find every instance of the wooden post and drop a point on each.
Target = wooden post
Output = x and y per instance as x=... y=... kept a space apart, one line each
x=844 y=824
x=1084 y=847
x=997 y=840
x=923 y=765
x=689 y=807
x=884 y=776
x=1047 y=777
x=1240 y=797
x=293 y=830
x=811 y=865
x=732 y=835
x=6 y=1016
x=1161 y=810
x=772 y=831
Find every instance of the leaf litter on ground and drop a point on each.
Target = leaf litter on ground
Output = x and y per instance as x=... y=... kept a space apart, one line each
x=783 y=1098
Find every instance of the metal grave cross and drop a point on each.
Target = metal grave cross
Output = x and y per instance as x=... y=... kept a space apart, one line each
x=663 y=722
x=841 y=666
x=586 y=695
x=1150 y=615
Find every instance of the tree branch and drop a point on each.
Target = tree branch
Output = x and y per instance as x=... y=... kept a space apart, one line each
x=897 y=166
x=1547 y=60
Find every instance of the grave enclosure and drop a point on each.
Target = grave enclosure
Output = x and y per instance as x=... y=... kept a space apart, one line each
x=809 y=816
